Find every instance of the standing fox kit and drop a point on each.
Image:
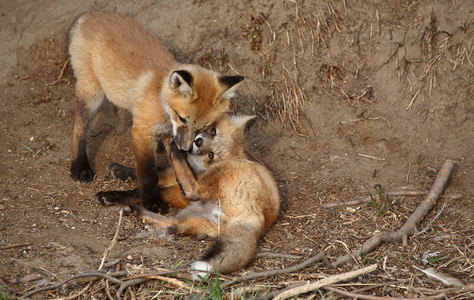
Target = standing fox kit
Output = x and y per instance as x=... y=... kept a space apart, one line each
x=239 y=199
x=115 y=58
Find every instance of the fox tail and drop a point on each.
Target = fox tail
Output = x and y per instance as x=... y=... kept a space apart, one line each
x=230 y=252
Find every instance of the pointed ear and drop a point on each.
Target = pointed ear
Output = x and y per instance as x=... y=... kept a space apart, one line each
x=230 y=84
x=181 y=81
x=243 y=122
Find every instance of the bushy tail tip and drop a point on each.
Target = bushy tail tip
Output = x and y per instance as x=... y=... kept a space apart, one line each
x=200 y=270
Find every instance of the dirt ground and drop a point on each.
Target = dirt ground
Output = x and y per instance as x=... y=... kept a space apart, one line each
x=348 y=94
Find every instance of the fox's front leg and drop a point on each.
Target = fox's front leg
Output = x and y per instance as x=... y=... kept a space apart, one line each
x=89 y=98
x=147 y=174
x=184 y=175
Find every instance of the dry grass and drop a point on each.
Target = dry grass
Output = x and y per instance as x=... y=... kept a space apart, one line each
x=293 y=43
x=291 y=50
x=436 y=46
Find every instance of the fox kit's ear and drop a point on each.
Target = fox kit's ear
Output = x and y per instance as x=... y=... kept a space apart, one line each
x=243 y=122
x=230 y=84
x=181 y=81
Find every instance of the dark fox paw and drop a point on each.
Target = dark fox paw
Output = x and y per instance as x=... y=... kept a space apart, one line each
x=158 y=207
x=151 y=199
x=103 y=198
x=122 y=172
x=109 y=198
x=82 y=171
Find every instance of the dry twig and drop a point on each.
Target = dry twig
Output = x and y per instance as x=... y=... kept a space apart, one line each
x=15 y=246
x=113 y=242
x=372 y=297
x=323 y=282
x=19 y=38
x=388 y=194
x=60 y=74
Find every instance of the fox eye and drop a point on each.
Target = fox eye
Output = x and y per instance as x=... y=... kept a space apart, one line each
x=213 y=131
x=183 y=120
x=211 y=155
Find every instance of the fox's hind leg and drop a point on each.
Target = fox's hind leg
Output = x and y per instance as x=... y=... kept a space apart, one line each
x=89 y=98
x=153 y=219
x=194 y=225
x=189 y=224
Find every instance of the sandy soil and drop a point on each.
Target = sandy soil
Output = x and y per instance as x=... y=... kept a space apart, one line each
x=348 y=94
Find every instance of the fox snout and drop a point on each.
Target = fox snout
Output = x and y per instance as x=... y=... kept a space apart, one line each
x=182 y=145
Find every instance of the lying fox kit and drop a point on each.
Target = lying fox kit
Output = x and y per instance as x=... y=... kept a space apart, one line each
x=115 y=58
x=239 y=199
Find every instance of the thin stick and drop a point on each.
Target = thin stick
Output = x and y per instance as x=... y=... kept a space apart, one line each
x=107 y=290
x=114 y=241
x=413 y=100
x=60 y=74
x=371 y=157
x=389 y=194
x=127 y=284
x=18 y=42
x=311 y=123
x=389 y=58
x=431 y=222
x=371 y=297
x=323 y=282
x=75 y=296
x=15 y=246
x=173 y=281
x=277 y=255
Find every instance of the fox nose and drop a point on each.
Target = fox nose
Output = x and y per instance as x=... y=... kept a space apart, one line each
x=185 y=149
x=180 y=144
x=198 y=142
